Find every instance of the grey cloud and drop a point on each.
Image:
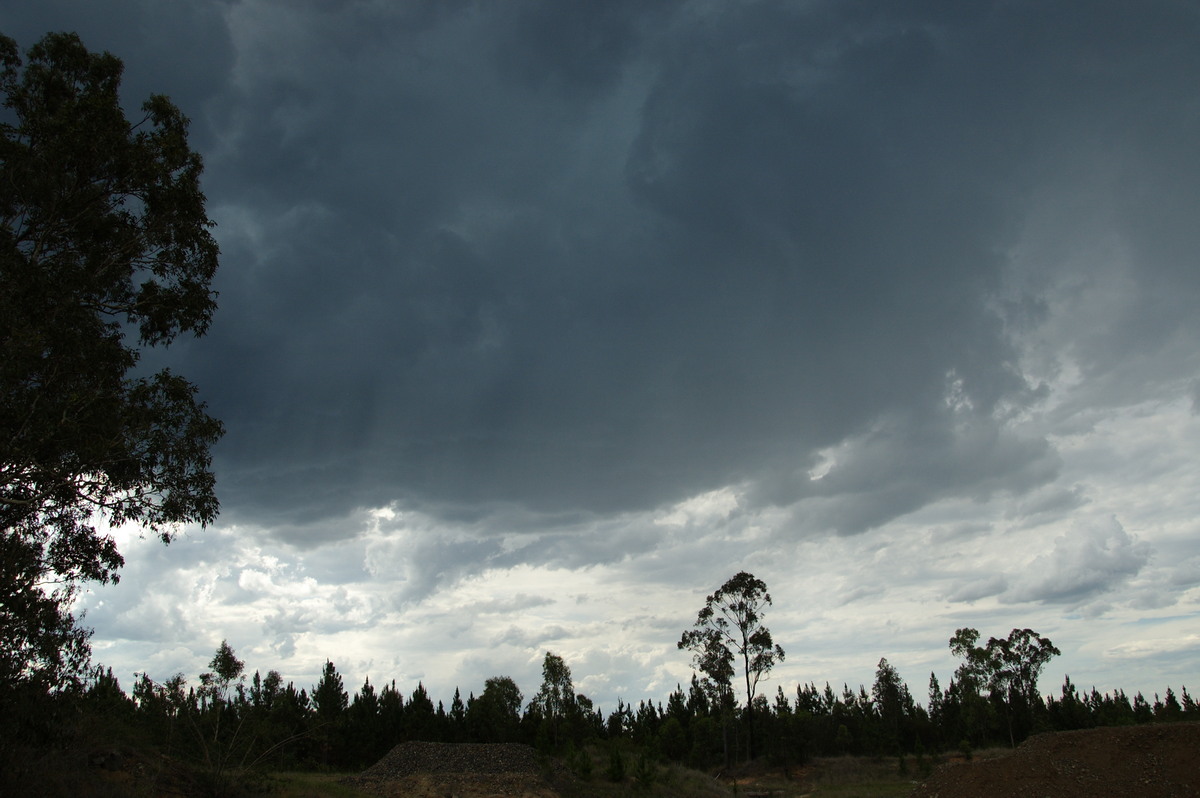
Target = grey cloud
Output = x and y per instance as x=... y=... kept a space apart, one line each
x=420 y=562
x=1153 y=598
x=154 y=618
x=863 y=592
x=425 y=552
x=517 y=603
x=1048 y=504
x=959 y=530
x=903 y=464
x=597 y=543
x=1175 y=571
x=1184 y=573
x=446 y=287
x=1083 y=565
x=535 y=638
x=978 y=588
x=335 y=563
x=574 y=49
x=283 y=627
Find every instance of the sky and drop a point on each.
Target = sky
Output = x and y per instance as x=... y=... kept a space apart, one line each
x=540 y=320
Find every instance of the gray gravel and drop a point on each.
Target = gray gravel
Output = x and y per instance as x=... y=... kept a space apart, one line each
x=408 y=759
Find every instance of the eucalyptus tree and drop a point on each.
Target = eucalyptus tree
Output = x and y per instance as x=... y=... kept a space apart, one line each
x=105 y=250
x=495 y=716
x=1008 y=667
x=554 y=703
x=218 y=729
x=729 y=627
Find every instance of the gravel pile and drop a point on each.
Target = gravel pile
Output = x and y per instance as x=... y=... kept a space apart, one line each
x=450 y=760
x=1151 y=761
x=465 y=770
x=408 y=759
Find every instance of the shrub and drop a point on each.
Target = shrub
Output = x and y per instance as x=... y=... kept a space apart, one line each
x=616 y=765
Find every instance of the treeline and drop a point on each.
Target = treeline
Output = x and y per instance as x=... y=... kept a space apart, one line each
x=228 y=722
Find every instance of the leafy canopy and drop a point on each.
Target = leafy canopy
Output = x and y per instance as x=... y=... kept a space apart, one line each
x=1009 y=666
x=105 y=249
x=728 y=626
x=557 y=693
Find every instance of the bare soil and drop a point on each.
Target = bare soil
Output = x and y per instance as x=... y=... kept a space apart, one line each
x=1149 y=761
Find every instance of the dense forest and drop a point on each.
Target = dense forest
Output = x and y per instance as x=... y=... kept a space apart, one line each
x=228 y=721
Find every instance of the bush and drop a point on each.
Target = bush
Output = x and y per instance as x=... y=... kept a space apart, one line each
x=646 y=770
x=579 y=761
x=616 y=765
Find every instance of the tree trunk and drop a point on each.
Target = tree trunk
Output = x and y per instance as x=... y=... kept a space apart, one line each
x=749 y=703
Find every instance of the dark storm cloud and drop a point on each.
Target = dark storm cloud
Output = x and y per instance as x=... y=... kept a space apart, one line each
x=590 y=257
x=575 y=49
x=180 y=49
x=907 y=463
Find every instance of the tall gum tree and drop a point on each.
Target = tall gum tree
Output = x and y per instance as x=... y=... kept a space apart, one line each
x=555 y=701
x=729 y=627
x=105 y=249
x=1008 y=667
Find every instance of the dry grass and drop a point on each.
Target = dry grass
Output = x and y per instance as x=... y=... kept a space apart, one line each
x=834 y=777
x=309 y=785
x=858 y=777
x=653 y=780
x=824 y=777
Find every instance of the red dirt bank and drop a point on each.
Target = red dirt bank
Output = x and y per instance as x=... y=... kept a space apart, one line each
x=1150 y=761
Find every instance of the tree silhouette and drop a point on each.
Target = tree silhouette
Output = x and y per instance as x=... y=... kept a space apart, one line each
x=103 y=236
x=730 y=626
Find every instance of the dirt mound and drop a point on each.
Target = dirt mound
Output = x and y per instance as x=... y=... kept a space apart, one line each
x=465 y=769
x=1151 y=761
